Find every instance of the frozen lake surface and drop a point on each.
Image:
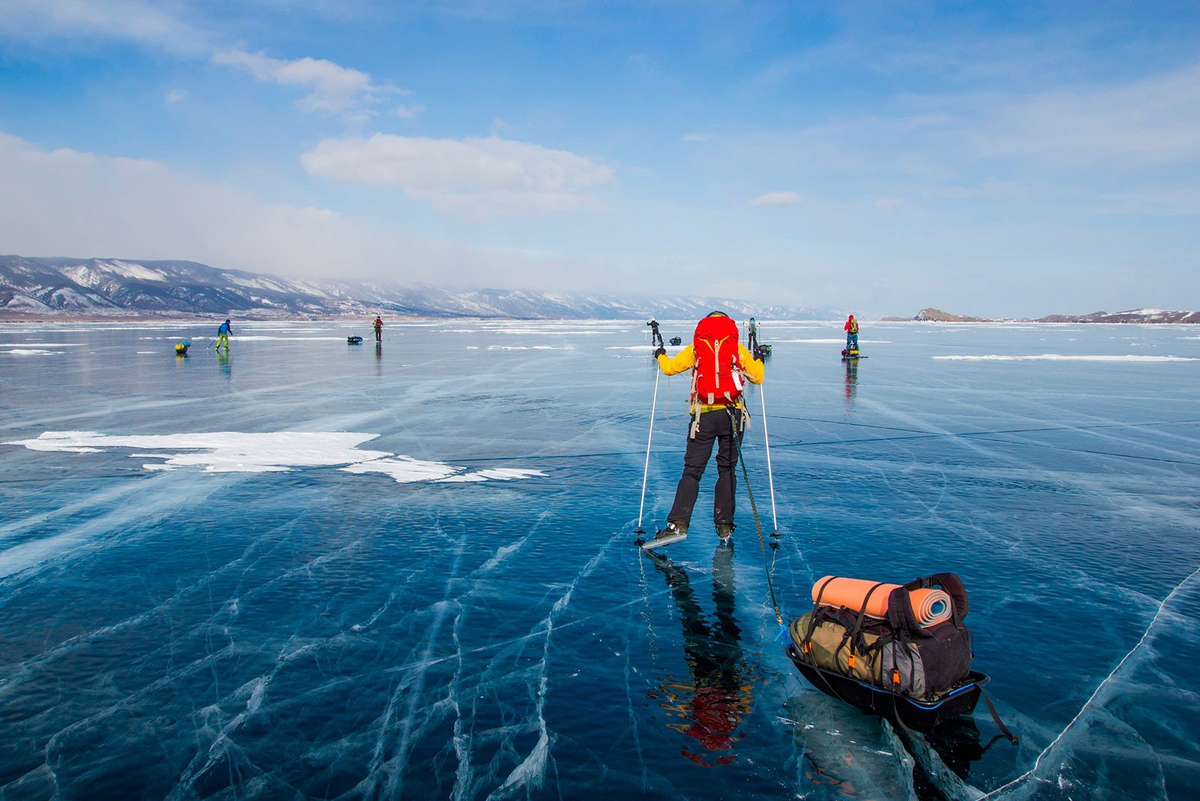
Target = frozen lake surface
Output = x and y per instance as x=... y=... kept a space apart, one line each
x=317 y=570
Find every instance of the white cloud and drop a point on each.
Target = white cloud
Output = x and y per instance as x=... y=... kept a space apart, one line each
x=334 y=90
x=473 y=176
x=784 y=198
x=694 y=137
x=175 y=95
x=128 y=20
x=83 y=204
x=1148 y=122
x=408 y=112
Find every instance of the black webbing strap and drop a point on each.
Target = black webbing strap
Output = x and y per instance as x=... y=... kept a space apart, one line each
x=863 y=611
x=987 y=699
x=812 y=618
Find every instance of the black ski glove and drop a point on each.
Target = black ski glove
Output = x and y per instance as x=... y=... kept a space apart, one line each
x=660 y=351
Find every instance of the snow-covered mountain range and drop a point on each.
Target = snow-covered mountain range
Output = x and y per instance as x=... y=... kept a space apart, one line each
x=39 y=287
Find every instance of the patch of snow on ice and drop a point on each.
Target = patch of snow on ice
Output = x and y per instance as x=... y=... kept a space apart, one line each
x=268 y=452
x=405 y=469
x=220 y=451
x=495 y=474
x=841 y=341
x=1055 y=357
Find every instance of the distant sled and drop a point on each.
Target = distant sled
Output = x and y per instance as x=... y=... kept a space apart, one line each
x=354 y=340
x=851 y=355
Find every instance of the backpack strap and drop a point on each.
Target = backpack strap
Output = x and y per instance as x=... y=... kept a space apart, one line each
x=805 y=646
x=953 y=586
x=900 y=611
x=856 y=630
x=950 y=584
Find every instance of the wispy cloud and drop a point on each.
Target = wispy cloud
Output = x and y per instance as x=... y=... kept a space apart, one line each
x=408 y=112
x=155 y=24
x=1166 y=202
x=694 y=137
x=70 y=204
x=1152 y=121
x=175 y=95
x=782 y=198
x=473 y=176
x=334 y=90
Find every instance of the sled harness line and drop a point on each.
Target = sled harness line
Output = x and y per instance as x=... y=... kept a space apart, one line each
x=738 y=433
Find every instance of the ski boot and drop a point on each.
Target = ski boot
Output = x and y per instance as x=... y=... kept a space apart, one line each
x=676 y=531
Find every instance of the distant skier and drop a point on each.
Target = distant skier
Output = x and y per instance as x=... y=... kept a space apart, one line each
x=378 y=329
x=851 y=329
x=719 y=365
x=223 y=334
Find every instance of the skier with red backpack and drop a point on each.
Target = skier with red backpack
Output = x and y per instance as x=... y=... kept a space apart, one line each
x=720 y=366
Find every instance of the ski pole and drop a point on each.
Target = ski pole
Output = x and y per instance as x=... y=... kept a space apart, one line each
x=770 y=475
x=656 y=341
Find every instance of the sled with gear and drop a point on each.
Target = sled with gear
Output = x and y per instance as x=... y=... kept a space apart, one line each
x=901 y=652
x=354 y=340
x=676 y=341
x=849 y=354
x=181 y=348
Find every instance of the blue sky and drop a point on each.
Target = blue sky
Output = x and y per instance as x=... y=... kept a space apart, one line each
x=993 y=159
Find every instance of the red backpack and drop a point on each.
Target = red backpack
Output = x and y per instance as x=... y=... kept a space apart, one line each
x=717 y=374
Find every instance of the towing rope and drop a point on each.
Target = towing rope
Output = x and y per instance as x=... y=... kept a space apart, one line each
x=768 y=568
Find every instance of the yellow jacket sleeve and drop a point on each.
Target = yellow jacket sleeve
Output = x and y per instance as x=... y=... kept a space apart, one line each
x=752 y=366
x=674 y=365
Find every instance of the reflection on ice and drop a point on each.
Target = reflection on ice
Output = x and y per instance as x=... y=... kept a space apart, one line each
x=844 y=753
x=711 y=702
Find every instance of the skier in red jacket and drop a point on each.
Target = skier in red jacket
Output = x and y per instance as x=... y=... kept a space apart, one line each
x=851 y=329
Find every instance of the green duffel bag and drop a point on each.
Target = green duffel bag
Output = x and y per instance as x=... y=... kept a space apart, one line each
x=831 y=648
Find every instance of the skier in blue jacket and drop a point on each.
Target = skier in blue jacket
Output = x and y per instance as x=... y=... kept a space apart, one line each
x=223 y=336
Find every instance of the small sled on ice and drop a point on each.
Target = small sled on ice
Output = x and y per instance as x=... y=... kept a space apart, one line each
x=676 y=341
x=181 y=348
x=851 y=354
x=898 y=651
x=354 y=340
x=917 y=715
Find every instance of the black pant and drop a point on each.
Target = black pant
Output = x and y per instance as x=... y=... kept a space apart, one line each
x=716 y=426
